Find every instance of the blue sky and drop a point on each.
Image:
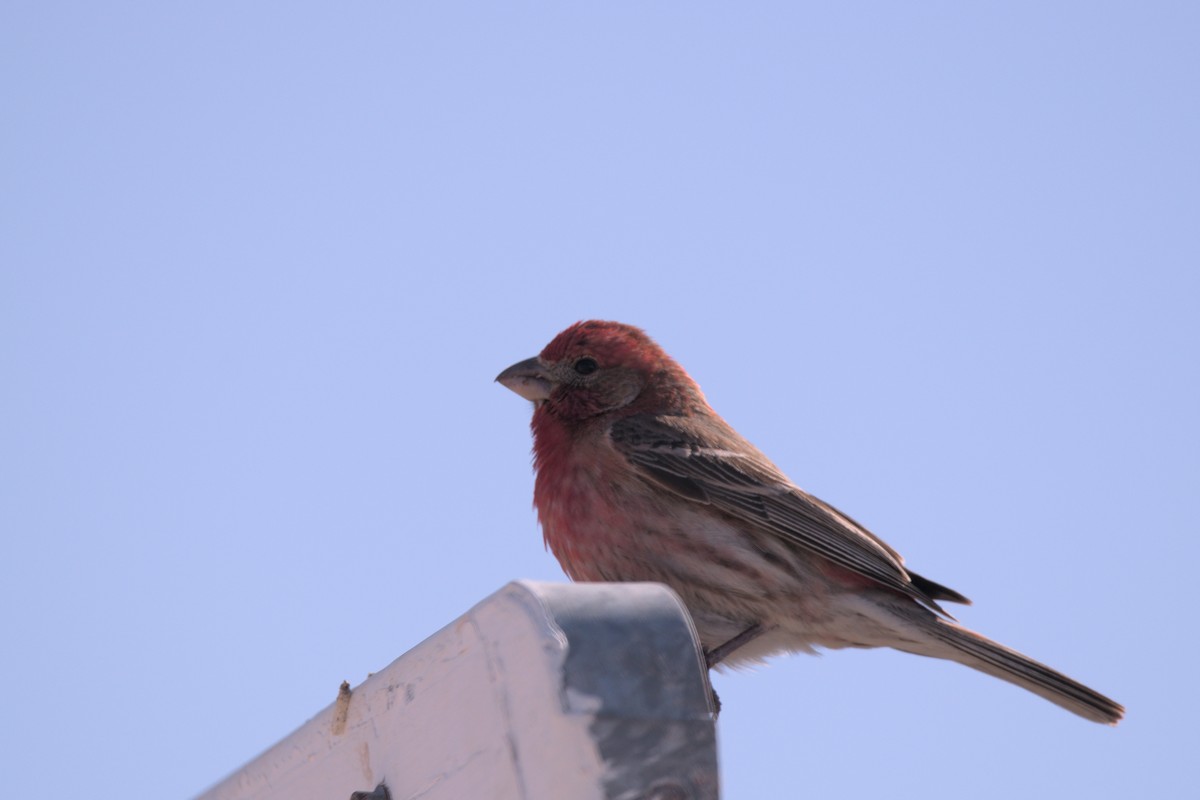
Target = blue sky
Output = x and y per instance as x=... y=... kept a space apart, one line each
x=259 y=264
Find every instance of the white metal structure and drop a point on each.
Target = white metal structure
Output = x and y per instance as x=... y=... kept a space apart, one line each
x=540 y=692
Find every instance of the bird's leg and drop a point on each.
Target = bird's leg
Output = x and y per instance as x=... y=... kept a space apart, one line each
x=721 y=651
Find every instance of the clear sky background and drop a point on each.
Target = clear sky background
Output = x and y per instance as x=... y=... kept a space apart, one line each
x=260 y=262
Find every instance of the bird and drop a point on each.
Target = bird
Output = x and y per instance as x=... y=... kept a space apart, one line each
x=639 y=479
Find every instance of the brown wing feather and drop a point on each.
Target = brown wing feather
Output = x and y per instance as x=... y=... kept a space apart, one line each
x=712 y=464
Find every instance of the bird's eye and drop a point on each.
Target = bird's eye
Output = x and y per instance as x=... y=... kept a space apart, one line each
x=586 y=366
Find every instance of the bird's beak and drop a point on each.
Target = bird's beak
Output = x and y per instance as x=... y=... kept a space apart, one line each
x=527 y=378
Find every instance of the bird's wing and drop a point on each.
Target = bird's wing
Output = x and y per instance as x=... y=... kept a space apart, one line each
x=708 y=462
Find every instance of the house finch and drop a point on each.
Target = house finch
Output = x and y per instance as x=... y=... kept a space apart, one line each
x=638 y=479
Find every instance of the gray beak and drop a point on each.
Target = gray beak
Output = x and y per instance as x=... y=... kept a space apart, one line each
x=527 y=378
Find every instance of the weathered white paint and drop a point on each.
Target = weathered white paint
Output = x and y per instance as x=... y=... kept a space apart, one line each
x=479 y=710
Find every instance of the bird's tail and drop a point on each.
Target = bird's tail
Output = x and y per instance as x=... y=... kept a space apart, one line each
x=943 y=638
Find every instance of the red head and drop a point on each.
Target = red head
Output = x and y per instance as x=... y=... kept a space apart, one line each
x=596 y=367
